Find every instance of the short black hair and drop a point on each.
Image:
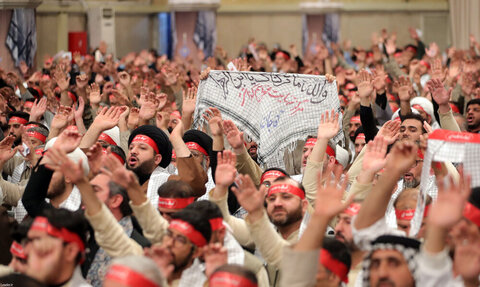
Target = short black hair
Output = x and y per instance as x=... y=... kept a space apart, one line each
x=195 y=218
x=206 y=208
x=72 y=221
x=19 y=232
x=175 y=189
x=473 y=102
x=338 y=250
x=115 y=189
x=417 y=117
x=237 y=270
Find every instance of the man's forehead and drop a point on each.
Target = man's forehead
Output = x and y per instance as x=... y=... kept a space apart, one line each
x=473 y=106
x=387 y=253
x=411 y=122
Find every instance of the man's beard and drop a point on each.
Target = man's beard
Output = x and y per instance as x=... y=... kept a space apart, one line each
x=349 y=243
x=410 y=183
x=17 y=141
x=143 y=170
x=56 y=189
x=181 y=265
x=473 y=126
x=289 y=218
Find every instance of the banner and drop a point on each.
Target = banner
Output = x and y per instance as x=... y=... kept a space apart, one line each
x=447 y=146
x=274 y=109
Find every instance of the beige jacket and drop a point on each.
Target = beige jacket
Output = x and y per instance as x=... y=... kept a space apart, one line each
x=152 y=223
x=309 y=181
x=246 y=165
x=299 y=268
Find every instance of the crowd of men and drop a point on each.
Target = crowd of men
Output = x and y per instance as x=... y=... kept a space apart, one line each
x=105 y=183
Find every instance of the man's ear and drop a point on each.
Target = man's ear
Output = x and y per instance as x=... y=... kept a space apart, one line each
x=304 y=205
x=115 y=201
x=71 y=252
x=332 y=277
x=198 y=252
x=221 y=234
x=157 y=158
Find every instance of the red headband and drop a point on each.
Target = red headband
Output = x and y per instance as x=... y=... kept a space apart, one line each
x=227 y=279
x=147 y=140
x=106 y=138
x=124 y=275
x=27 y=127
x=174 y=203
x=311 y=142
x=330 y=151
x=350 y=86
x=352 y=209
x=283 y=55
x=422 y=62
x=361 y=136
x=418 y=107
x=37 y=135
x=271 y=173
x=174 y=155
x=335 y=266
x=39 y=151
x=120 y=159
x=197 y=147
x=72 y=96
x=411 y=49
x=216 y=223
x=188 y=231
x=286 y=188
x=72 y=128
x=41 y=224
x=472 y=213
x=176 y=114
x=355 y=119
x=17 y=120
x=407 y=214
x=28 y=104
x=17 y=250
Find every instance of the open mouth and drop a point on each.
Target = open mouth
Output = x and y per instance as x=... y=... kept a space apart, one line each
x=132 y=161
x=408 y=176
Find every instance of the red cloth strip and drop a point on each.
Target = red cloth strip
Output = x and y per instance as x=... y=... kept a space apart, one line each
x=227 y=279
x=17 y=120
x=126 y=276
x=335 y=266
x=271 y=174
x=472 y=213
x=37 y=135
x=188 y=231
x=216 y=223
x=286 y=188
x=311 y=142
x=175 y=203
x=41 y=224
x=197 y=147
x=355 y=119
x=352 y=209
x=17 y=250
x=106 y=138
x=147 y=140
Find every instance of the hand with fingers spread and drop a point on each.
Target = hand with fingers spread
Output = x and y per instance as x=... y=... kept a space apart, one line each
x=329 y=125
x=402 y=156
x=59 y=161
x=328 y=202
x=61 y=79
x=95 y=158
x=234 y=136
x=162 y=258
x=78 y=114
x=82 y=81
x=365 y=87
x=106 y=118
x=189 y=101
x=204 y=74
x=249 y=197
x=468 y=84
x=375 y=153
x=214 y=119
x=132 y=122
x=94 y=94
x=162 y=119
x=225 y=172
x=68 y=141
x=389 y=131
x=60 y=120
x=215 y=256
x=440 y=94
x=432 y=50
x=436 y=71
x=162 y=100
x=405 y=89
x=38 y=109
x=379 y=81
x=6 y=150
x=149 y=108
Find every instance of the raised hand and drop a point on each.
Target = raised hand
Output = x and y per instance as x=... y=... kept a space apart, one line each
x=94 y=94
x=95 y=158
x=61 y=78
x=59 y=161
x=437 y=71
x=379 y=80
x=329 y=125
x=468 y=83
x=215 y=256
x=389 y=131
x=214 y=119
x=60 y=120
x=189 y=101
x=149 y=107
x=248 y=196
x=82 y=81
x=234 y=136
x=107 y=118
x=432 y=50
x=162 y=119
x=448 y=208
x=226 y=172
x=204 y=74
x=6 y=150
x=438 y=91
x=328 y=202
x=162 y=257
x=120 y=175
x=79 y=110
x=405 y=89
x=38 y=109
x=402 y=156
x=67 y=141
x=133 y=118
x=162 y=100
x=375 y=153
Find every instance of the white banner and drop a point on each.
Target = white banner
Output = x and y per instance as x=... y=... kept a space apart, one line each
x=274 y=109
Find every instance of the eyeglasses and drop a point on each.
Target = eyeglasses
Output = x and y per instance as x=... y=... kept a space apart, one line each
x=417 y=162
x=182 y=240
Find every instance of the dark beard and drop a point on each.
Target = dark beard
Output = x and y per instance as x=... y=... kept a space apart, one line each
x=170 y=129
x=293 y=217
x=143 y=171
x=56 y=190
x=180 y=266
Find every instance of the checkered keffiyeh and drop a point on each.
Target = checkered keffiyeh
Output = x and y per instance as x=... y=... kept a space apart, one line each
x=274 y=109
x=447 y=146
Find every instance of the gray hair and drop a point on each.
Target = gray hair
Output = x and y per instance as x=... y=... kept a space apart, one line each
x=142 y=265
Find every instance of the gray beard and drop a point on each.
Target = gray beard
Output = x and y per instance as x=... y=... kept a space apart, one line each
x=410 y=184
